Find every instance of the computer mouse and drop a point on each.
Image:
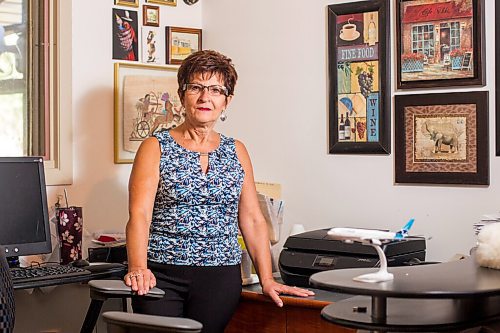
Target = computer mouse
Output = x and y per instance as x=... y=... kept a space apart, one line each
x=80 y=263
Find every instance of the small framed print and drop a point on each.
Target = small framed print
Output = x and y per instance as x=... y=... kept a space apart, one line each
x=151 y=16
x=125 y=46
x=153 y=48
x=164 y=2
x=129 y=3
x=181 y=42
x=442 y=138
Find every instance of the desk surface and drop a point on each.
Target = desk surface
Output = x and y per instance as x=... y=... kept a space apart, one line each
x=320 y=299
x=440 y=297
x=457 y=279
x=98 y=271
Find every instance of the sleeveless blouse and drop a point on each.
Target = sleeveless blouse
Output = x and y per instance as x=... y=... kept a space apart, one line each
x=195 y=215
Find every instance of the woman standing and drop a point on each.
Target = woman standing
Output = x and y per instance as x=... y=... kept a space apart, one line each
x=190 y=189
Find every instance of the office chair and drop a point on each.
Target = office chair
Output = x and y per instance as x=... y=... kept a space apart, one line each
x=124 y=322
x=7 y=305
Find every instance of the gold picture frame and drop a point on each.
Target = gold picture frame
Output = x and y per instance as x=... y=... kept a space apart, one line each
x=181 y=42
x=145 y=101
x=128 y=3
x=150 y=16
x=163 y=2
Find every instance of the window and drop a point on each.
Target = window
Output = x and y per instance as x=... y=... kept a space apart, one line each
x=31 y=80
x=423 y=39
x=22 y=71
x=454 y=35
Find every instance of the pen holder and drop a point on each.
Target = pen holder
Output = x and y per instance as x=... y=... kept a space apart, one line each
x=69 y=227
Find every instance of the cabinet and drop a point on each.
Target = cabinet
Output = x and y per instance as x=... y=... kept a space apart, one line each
x=257 y=313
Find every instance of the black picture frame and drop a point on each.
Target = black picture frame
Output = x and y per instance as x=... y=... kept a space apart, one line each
x=440 y=44
x=363 y=48
x=442 y=138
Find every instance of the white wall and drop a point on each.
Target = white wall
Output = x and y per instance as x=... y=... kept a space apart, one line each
x=280 y=112
x=99 y=185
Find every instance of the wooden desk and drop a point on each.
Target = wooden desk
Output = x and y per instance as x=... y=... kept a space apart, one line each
x=257 y=313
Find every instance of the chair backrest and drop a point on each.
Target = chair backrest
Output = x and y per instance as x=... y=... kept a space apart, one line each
x=7 y=305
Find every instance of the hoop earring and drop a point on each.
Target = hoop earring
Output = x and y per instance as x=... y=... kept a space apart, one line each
x=223 y=116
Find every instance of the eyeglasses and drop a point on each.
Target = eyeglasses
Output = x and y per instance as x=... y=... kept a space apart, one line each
x=213 y=90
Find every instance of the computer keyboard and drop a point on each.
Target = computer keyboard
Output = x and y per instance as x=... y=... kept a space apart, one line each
x=38 y=273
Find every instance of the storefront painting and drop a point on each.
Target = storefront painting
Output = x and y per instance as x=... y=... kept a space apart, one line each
x=436 y=39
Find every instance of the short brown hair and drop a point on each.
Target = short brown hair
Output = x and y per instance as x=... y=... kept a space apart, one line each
x=207 y=62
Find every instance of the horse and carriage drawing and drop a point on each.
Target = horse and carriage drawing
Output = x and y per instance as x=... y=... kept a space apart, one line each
x=155 y=111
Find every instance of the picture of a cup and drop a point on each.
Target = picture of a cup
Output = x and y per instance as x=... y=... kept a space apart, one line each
x=349 y=32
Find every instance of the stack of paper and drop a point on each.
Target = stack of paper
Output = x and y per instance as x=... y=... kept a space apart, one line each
x=486 y=219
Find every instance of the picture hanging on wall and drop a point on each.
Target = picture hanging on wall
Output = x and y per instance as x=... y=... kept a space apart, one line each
x=125 y=35
x=181 y=42
x=129 y=3
x=151 y=16
x=164 y=2
x=145 y=102
x=359 y=63
x=440 y=43
x=442 y=138
x=153 y=48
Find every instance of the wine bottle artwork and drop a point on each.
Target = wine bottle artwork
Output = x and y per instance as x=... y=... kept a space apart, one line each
x=341 y=128
x=359 y=53
x=347 y=127
x=372 y=31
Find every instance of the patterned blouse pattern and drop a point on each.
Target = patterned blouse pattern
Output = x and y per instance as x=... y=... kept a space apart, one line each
x=195 y=215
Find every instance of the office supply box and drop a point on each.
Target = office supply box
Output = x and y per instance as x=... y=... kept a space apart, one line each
x=311 y=252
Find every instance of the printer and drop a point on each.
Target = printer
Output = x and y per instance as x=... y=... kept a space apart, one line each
x=312 y=252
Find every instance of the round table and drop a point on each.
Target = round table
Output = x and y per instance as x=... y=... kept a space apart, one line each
x=439 y=297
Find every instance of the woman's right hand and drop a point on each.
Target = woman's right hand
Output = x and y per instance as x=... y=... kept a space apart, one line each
x=140 y=280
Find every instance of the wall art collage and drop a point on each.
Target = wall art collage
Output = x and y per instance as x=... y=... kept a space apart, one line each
x=145 y=78
x=440 y=138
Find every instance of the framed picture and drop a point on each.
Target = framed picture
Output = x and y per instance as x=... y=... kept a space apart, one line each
x=497 y=78
x=151 y=16
x=125 y=35
x=153 y=48
x=145 y=101
x=442 y=138
x=440 y=43
x=129 y=3
x=164 y=2
x=359 y=84
x=181 y=42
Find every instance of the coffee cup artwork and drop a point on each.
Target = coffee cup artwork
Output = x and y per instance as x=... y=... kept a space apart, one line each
x=349 y=32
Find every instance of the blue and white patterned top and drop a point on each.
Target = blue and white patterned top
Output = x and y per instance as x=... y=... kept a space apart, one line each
x=195 y=215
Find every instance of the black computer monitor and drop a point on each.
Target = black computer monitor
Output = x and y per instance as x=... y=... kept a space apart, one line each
x=24 y=218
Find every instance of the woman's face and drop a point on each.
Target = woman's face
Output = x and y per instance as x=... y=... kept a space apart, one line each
x=204 y=107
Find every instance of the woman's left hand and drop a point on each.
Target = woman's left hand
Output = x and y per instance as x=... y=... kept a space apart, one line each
x=273 y=289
